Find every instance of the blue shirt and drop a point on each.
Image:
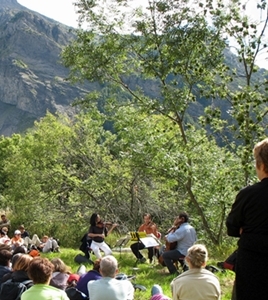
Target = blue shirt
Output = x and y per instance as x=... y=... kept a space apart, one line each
x=185 y=236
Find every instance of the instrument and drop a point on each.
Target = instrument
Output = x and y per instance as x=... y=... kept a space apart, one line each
x=168 y=246
x=102 y=224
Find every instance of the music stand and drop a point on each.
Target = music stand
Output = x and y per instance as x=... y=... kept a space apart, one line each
x=121 y=243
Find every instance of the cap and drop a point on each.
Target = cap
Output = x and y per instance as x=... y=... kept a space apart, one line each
x=21 y=227
x=73 y=277
x=17 y=232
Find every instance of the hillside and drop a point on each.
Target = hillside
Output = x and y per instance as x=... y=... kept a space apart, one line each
x=31 y=76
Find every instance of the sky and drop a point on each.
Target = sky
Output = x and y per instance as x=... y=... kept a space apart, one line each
x=64 y=12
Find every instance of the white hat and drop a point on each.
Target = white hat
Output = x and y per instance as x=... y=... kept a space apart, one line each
x=17 y=232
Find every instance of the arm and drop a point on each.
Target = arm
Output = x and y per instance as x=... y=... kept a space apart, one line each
x=176 y=236
x=91 y=233
x=234 y=221
x=111 y=229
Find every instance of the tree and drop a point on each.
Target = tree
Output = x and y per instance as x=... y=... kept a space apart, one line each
x=159 y=61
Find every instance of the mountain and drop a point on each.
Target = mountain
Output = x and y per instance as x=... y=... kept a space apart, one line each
x=31 y=75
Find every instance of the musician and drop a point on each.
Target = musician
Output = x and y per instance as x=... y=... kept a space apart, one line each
x=185 y=236
x=97 y=232
x=149 y=227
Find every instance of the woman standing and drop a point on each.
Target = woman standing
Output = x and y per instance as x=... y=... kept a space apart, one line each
x=248 y=220
x=97 y=232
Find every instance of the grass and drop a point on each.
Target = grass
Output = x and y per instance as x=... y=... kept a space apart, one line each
x=146 y=274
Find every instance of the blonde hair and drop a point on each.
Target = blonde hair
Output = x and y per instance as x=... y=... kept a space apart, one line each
x=22 y=263
x=197 y=255
x=59 y=266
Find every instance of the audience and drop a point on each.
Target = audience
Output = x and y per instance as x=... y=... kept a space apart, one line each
x=93 y=274
x=4 y=238
x=20 y=264
x=60 y=274
x=40 y=271
x=17 y=240
x=24 y=233
x=197 y=283
x=45 y=245
x=5 y=260
x=108 y=287
x=5 y=222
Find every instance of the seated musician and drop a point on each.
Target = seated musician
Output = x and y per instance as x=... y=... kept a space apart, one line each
x=185 y=236
x=149 y=227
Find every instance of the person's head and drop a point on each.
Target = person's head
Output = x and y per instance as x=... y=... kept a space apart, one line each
x=108 y=266
x=147 y=218
x=20 y=249
x=21 y=263
x=94 y=219
x=44 y=238
x=21 y=228
x=96 y=265
x=260 y=153
x=4 y=218
x=40 y=270
x=197 y=256
x=183 y=216
x=14 y=258
x=59 y=266
x=5 y=229
x=17 y=234
x=5 y=257
x=5 y=247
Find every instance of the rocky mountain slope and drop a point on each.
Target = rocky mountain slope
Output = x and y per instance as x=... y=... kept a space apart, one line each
x=31 y=75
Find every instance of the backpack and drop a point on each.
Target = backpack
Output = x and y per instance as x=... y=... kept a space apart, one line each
x=11 y=290
x=74 y=294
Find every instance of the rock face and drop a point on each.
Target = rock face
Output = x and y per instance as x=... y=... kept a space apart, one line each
x=31 y=75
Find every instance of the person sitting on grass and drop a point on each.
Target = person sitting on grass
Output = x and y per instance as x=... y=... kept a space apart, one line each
x=17 y=240
x=45 y=245
x=93 y=274
x=20 y=264
x=40 y=271
x=60 y=274
x=4 y=238
x=197 y=283
x=5 y=259
x=108 y=287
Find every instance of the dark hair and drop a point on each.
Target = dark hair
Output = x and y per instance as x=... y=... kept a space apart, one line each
x=5 y=257
x=93 y=219
x=20 y=249
x=185 y=216
x=147 y=215
x=40 y=270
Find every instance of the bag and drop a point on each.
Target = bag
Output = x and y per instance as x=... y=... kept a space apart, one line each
x=80 y=259
x=11 y=290
x=75 y=294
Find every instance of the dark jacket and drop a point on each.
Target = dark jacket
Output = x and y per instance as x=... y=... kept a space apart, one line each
x=85 y=278
x=249 y=214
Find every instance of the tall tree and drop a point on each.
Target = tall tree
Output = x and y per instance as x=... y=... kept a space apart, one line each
x=157 y=57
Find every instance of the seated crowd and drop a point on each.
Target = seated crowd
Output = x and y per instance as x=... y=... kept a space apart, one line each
x=53 y=279
x=21 y=238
